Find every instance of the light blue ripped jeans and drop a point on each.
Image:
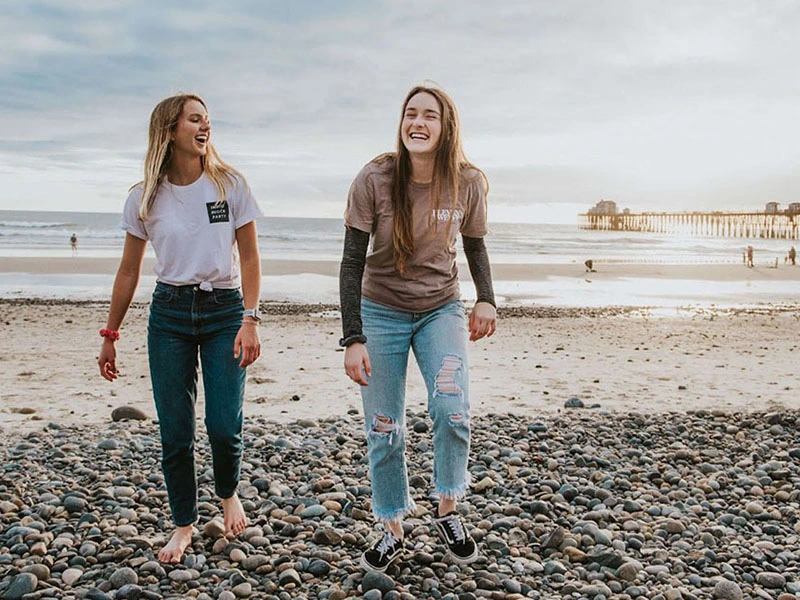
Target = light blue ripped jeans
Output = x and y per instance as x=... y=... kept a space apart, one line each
x=439 y=340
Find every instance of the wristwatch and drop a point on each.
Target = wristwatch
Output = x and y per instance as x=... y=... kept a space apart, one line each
x=252 y=313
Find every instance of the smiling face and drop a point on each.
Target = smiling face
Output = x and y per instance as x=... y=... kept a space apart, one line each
x=422 y=124
x=192 y=132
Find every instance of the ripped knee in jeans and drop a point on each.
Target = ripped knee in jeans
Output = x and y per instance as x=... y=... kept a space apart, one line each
x=383 y=425
x=446 y=384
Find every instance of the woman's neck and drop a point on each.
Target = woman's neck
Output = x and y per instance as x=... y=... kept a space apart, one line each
x=421 y=168
x=184 y=170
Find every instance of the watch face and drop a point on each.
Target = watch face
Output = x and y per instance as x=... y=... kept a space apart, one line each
x=253 y=313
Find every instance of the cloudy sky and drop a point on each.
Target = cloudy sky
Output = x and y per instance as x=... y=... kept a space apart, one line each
x=677 y=105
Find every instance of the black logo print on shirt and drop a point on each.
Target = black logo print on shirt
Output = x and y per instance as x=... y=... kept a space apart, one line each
x=217 y=213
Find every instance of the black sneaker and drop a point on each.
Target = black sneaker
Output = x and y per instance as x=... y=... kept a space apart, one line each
x=381 y=554
x=460 y=545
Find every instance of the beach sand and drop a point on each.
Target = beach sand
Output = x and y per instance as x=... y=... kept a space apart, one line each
x=683 y=459
x=501 y=271
x=613 y=359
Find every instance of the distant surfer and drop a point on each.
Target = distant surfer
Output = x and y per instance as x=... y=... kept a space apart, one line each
x=73 y=243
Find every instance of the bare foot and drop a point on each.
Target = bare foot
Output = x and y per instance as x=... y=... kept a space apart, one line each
x=180 y=540
x=235 y=519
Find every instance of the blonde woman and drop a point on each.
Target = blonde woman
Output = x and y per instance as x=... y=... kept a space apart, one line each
x=199 y=214
x=404 y=295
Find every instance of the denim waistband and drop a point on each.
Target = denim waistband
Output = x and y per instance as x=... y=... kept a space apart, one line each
x=190 y=288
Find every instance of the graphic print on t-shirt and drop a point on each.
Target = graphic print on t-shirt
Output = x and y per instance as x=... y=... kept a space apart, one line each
x=217 y=213
x=443 y=214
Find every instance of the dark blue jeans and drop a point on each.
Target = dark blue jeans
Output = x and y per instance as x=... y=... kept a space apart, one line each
x=183 y=321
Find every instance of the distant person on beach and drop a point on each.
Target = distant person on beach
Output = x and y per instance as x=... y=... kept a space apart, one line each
x=589 y=264
x=792 y=255
x=749 y=256
x=197 y=211
x=412 y=203
x=73 y=243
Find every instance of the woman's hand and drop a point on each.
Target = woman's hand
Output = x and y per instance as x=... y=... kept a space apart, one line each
x=247 y=344
x=356 y=363
x=482 y=321
x=108 y=360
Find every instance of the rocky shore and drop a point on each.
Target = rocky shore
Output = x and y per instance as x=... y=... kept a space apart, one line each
x=580 y=505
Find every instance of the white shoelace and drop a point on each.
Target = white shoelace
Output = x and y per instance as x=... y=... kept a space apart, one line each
x=457 y=528
x=387 y=542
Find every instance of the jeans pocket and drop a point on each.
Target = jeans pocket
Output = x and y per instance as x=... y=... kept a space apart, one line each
x=227 y=297
x=163 y=295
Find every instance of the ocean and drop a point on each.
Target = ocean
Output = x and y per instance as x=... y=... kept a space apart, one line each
x=47 y=235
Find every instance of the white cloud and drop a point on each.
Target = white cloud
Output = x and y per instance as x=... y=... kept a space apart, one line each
x=562 y=103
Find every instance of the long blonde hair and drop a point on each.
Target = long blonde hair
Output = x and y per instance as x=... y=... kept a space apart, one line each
x=163 y=121
x=448 y=165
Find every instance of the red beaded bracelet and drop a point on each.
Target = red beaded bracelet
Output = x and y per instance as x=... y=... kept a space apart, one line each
x=110 y=334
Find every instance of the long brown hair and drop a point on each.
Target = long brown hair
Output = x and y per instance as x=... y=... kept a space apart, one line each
x=448 y=165
x=163 y=121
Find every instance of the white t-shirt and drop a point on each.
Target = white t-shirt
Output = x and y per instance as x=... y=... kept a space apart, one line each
x=194 y=238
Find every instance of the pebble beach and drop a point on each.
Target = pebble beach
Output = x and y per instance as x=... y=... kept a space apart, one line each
x=581 y=505
x=617 y=453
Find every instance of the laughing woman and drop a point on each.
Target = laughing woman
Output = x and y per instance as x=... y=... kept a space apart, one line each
x=404 y=295
x=199 y=214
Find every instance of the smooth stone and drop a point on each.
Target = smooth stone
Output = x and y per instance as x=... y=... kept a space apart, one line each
x=74 y=504
x=237 y=555
x=41 y=571
x=315 y=510
x=129 y=592
x=242 y=590
x=154 y=567
x=374 y=580
x=327 y=536
x=183 y=575
x=727 y=590
x=289 y=576
x=318 y=568
x=126 y=531
x=484 y=484
x=70 y=576
x=123 y=576
x=128 y=412
x=773 y=581
x=251 y=563
x=214 y=529
x=24 y=583
x=628 y=571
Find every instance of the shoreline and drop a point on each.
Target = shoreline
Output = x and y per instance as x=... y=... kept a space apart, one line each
x=501 y=271
x=321 y=309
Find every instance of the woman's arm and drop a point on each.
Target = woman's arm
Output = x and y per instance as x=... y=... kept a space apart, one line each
x=125 y=283
x=247 y=343
x=351 y=271
x=483 y=319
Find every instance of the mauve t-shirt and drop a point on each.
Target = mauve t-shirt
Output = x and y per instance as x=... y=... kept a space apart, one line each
x=431 y=279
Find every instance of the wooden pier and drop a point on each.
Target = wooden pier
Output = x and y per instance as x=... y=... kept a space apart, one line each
x=715 y=224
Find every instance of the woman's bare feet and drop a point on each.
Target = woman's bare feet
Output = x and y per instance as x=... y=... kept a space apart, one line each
x=235 y=519
x=180 y=540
